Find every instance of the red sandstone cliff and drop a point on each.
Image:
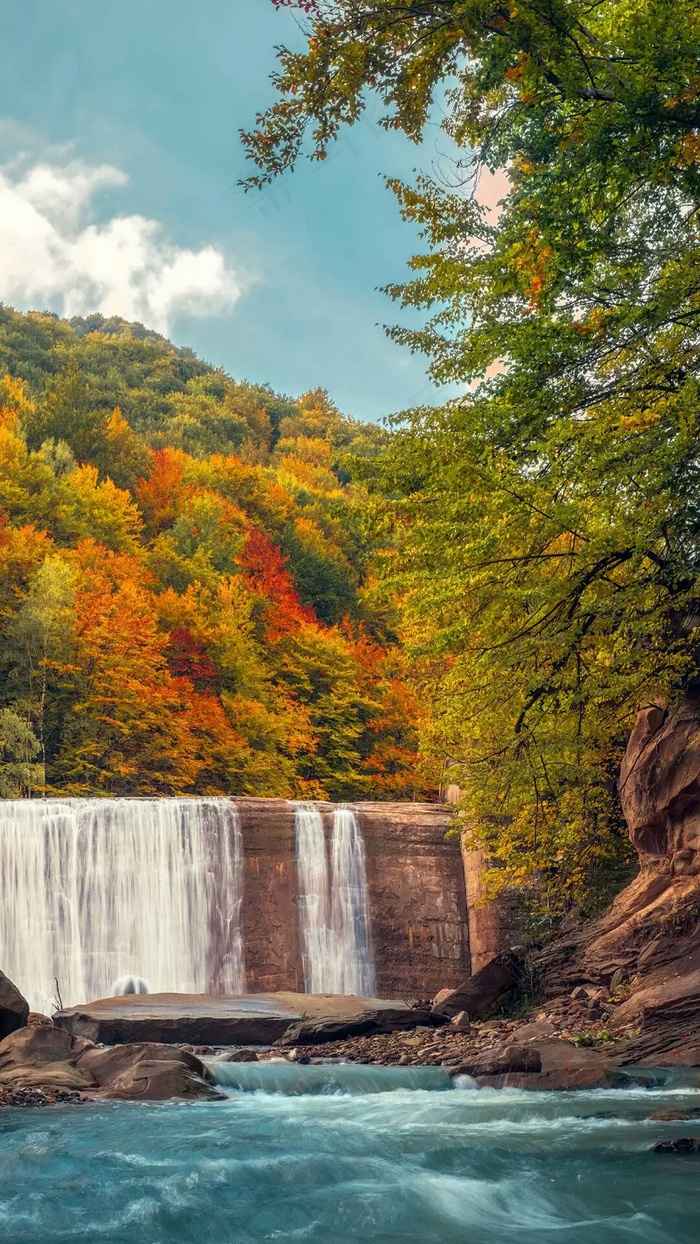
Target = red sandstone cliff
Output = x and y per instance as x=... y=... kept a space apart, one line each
x=650 y=936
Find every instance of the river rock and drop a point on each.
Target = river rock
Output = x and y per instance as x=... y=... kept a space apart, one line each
x=501 y=1062
x=363 y=1024
x=535 y=1031
x=461 y=1022
x=241 y=1019
x=35 y=1019
x=564 y=1066
x=159 y=1080
x=32 y=1097
x=61 y=1075
x=106 y=1067
x=14 y=1009
x=34 y=1047
x=441 y=996
x=41 y=1056
x=684 y=1144
x=50 y=1058
x=486 y=991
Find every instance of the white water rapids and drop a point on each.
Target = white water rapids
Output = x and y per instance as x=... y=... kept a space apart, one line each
x=94 y=889
x=334 y=904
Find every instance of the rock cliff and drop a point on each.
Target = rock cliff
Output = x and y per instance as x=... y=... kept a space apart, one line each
x=648 y=942
x=660 y=788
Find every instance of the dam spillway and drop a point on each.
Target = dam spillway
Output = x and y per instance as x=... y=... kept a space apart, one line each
x=208 y=895
x=96 y=889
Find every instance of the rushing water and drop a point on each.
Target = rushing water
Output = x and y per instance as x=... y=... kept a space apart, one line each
x=95 y=889
x=334 y=904
x=408 y=1166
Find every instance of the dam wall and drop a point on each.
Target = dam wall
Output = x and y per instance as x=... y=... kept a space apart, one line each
x=417 y=898
x=230 y=895
x=416 y=888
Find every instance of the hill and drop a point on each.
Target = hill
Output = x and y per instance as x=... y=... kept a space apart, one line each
x=183 y=575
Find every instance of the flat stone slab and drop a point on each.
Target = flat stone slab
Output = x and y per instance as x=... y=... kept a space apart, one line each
x=240 y=1019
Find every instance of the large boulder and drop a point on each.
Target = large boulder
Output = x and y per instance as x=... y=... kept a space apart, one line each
x=108 y=1066
x=546 y=1064
x=501 y=1062
x=147 y=1071
x=366 y=1023
x=14 y=1009
x=484 y=992
x=160 y=1080
x=241 y=1019
x=60 y=1075
x=36 y=1046
x=42 y=1056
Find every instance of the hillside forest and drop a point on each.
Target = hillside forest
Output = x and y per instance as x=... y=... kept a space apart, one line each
x=185 y=587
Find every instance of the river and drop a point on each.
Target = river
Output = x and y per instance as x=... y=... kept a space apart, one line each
x=352 y=1156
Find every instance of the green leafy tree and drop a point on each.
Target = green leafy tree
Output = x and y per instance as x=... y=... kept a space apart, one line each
x=66 y=413
x=39 y=650
x=545 y=526
x=20 y=772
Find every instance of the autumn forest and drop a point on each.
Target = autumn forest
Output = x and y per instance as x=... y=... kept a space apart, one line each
x=186 y=592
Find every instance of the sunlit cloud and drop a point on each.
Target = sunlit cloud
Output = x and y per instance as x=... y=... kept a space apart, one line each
x=55 y=256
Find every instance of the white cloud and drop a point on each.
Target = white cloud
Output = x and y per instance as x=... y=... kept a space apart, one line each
x=54 y=257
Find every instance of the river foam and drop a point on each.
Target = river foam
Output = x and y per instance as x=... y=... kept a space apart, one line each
x=405 y=1166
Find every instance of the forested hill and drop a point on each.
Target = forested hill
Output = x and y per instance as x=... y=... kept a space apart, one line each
x=182 y=580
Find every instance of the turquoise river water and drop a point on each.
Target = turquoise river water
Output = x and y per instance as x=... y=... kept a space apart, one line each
x=336 y=1156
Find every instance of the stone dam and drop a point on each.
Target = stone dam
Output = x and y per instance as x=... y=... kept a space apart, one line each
x=226 y=896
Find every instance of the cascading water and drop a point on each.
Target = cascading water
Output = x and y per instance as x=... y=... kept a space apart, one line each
x=334 y=904
x=350 y=906
x=314 y=901
x=95 y=889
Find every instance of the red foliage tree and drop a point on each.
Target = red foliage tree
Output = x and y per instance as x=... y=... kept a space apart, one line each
x=266 y=572
x=189 y=659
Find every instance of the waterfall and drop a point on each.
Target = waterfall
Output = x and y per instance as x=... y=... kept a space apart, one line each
x=95 y=889
x=314 y=901
x=350 y=907
x=334 y=904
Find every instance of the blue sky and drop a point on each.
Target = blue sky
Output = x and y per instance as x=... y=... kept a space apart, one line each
x=157 y=89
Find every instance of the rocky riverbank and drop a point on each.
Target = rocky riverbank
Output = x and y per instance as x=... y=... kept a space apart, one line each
x=566 y=1044
x=37 y=1097
x=570 y=1043
x=42 y=1065
x=594 y=1035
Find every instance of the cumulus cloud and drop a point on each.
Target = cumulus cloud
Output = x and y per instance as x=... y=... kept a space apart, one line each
x=55 y=256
